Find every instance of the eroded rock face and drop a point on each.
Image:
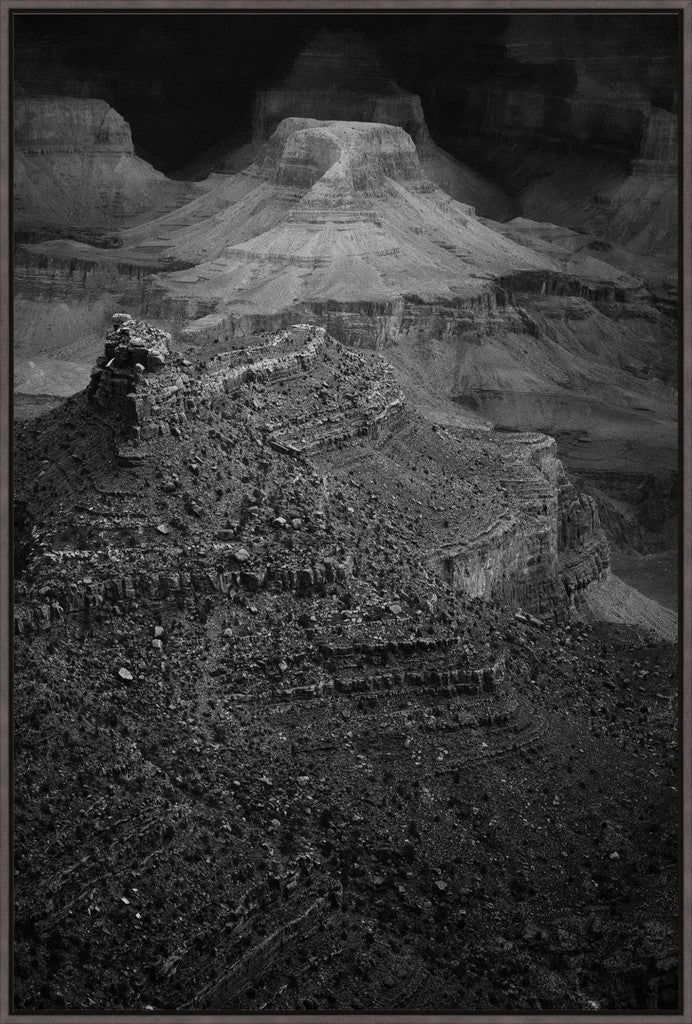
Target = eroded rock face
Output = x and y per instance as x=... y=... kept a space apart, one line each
x=338 y=77
x=576 y=115
x=76 y=172
x=133 y=349
x=133 y=342
x=658 y=149
x=51 y=124
x=595 y=81
x=514 y=531
x=347 y=156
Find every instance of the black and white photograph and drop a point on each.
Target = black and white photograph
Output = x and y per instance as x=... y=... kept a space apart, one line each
x=345 y=365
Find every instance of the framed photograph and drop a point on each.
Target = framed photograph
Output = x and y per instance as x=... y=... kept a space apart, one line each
x=345 y=507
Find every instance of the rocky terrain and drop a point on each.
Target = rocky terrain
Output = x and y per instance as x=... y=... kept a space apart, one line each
x=346 y=566
x=308 y=713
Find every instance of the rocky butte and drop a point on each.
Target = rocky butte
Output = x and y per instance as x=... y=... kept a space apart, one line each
x=270 y=625
x=534 y=542
x=339 y=76
x=76 y=172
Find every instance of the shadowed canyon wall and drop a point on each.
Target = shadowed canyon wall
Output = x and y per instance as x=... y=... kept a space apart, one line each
x=588 y=78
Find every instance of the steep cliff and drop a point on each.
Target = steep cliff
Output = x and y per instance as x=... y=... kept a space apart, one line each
x=570 y=119
x=76 y=173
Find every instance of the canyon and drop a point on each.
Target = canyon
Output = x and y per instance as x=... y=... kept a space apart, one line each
x=524 y=324
x=346 y=518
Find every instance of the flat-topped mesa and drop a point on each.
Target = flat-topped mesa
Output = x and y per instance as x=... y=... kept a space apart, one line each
x=351 y=155
x=65 y=124
x=338 y=76
x=76 y=173
x=336 y=212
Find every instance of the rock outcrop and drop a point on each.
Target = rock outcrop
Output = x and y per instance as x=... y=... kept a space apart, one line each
x=268 y=544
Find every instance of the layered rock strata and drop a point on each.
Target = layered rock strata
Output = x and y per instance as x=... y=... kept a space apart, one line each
x=524 y=324
x=339 y=219
x=284 y=618
x=76 y=173
x=544 y=548
x=339 y=77
x=335 y=214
